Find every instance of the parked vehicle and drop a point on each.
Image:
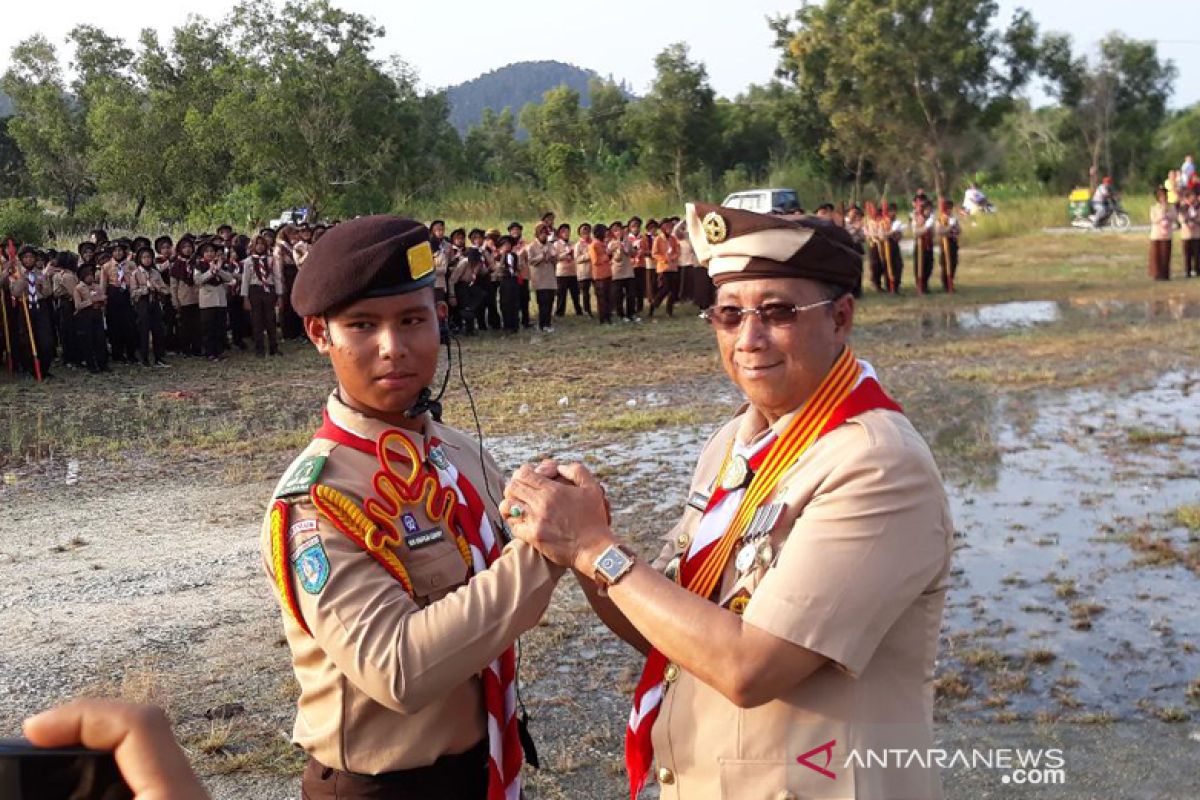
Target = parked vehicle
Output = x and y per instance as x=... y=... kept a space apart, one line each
x=765 y=201
x=289 y=216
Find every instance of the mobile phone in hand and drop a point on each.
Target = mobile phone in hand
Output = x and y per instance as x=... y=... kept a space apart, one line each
x=66 y=773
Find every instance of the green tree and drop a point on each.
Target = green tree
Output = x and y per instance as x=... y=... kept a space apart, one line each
x=311 y=105
x=606 y=117
x=907 y=82
x=48 y=126
x=13 y=172
x=674 y=122
x=558 y=142
x=491 y=149
x=1118 y=100
x=185 y=82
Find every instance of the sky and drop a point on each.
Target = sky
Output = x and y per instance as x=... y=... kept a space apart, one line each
x=451 y=42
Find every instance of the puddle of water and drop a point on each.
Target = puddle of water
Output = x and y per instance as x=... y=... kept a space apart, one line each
x=1010 y=315
x=1049 y=534
x=1031 y=313
x=1167 y=308
x=1040 y=549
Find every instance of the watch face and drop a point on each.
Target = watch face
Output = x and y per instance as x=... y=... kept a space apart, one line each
x=612 y=562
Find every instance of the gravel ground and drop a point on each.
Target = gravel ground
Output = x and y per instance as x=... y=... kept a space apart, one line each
x=153 y=590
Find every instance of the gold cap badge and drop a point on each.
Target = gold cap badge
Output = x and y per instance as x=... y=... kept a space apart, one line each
x=715 y=229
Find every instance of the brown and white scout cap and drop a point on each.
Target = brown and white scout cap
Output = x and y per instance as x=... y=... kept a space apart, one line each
x=742 y=245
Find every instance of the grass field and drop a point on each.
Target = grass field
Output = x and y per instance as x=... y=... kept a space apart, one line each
x=247 y=414
x=175 y=467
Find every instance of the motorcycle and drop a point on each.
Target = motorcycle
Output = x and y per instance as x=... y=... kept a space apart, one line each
x=1117 y=220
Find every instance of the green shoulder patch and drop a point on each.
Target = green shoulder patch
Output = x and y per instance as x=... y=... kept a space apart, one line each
x=302 y=477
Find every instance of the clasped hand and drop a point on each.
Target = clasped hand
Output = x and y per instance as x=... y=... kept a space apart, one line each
x=562 y=511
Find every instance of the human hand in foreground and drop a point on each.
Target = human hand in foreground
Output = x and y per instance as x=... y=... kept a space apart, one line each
x=560 y=510
x=139 y=737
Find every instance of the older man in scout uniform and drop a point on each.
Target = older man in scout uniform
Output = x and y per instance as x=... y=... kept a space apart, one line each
x=793 y=617
x=401 y=599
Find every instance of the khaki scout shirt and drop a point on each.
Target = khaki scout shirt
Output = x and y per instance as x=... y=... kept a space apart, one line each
x=622 y=262
x=583 y=259
x=389 y=682
x=564 y=258
x=541 y=265
x=863 y=554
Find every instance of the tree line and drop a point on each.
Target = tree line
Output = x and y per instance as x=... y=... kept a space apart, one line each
x=285 y=104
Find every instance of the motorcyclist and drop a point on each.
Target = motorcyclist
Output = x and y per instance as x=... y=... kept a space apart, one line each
x=1103 y=202
x=974 y=200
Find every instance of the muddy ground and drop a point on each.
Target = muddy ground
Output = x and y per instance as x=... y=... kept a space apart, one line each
x=1067 y=426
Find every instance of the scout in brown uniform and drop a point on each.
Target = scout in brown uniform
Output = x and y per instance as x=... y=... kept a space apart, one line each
x=400 y=598
x=145 y=287
x=262 y=281
x=119 y=319
x=565 y=272
x=65 y=279
x=540 y=256
x=89 y=298
x=793 y=616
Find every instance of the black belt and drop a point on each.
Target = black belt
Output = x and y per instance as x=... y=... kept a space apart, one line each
x=463 y=776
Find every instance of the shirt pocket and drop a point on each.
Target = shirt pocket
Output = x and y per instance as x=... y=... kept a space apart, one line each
x=782 y=780
x=435 y=572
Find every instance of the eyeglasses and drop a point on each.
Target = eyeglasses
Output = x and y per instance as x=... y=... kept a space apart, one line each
x=775 y=314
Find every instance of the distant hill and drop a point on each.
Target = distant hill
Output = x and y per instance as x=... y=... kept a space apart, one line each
x=513 y=86
x=6 y=105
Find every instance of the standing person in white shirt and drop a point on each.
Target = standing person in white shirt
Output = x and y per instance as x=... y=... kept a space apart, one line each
x=583 y=266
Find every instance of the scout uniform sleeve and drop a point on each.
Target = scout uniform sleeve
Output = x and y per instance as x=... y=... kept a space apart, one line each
x=402 y=655
x=874 y=538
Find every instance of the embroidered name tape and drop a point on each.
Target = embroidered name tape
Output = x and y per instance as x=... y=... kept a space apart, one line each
x=303 y=526
x=416 y=541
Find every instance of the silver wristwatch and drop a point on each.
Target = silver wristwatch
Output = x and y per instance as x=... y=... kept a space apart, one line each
x=612 y=565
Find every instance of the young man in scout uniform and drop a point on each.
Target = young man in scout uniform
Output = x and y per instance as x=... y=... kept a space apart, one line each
x=211 y=277
x=793 y=615
x=401 y=599
x=947 y=230
x=145 y=287
x=262 y=280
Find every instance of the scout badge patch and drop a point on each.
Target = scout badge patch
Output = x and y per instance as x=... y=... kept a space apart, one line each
x=312 y=565
x=302 y=477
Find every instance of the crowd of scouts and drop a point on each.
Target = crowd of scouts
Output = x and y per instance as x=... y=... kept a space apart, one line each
x=1176 y=208
x=136 y=301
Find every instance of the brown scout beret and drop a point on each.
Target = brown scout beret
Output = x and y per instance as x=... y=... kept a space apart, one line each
x=742 y=245
x=374 y=256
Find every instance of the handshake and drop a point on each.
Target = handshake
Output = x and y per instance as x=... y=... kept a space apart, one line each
x=560 y=510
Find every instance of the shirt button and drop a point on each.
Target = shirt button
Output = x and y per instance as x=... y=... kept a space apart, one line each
x=665 y=776
x=671 y=673
x=435 y=581
x=786 y=795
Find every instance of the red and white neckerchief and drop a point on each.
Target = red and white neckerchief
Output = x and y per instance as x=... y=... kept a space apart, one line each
x=262 y=271
x=850 y=389
x=499 y=678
